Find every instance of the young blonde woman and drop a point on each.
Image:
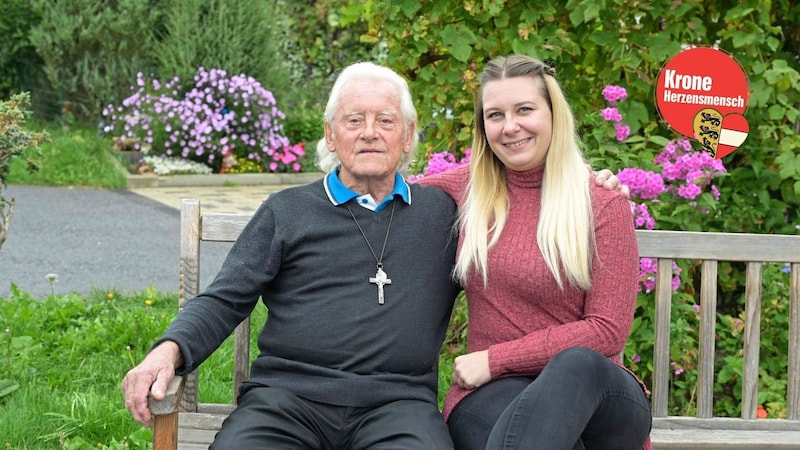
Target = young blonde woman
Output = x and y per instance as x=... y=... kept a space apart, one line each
x=549 y=264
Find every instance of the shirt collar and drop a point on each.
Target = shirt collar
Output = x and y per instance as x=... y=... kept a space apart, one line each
x=339 y=194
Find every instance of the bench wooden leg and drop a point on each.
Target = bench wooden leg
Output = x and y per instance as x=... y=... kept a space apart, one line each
x=165 y=432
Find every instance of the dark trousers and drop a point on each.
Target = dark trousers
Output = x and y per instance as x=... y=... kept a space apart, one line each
x=581 y=400
x=274 y=418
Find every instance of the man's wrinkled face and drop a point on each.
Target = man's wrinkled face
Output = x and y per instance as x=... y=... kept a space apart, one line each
x=368 y=131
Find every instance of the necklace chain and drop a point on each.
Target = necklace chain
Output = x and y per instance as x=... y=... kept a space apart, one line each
x=379 y=261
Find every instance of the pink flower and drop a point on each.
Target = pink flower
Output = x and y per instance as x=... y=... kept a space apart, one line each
x=642 y=183
x=611 y=114
x=613 y=94
x=622 y=131
x=689 y=191
x=440 y=162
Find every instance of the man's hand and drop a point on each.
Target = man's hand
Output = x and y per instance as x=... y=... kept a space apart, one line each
x=152 y=375
x=609 y=181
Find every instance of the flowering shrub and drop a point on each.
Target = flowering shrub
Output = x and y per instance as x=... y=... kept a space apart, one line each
x=218 y=116
x=164 y=165
x=614 y=94
x=440 y=162
x=287 y=158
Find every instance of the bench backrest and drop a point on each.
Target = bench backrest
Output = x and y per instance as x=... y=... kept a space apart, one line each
x=711 y=248
x=663 y=246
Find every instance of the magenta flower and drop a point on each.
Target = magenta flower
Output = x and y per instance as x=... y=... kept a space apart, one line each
x=622 y=131
x=441 y=162
x=613 y=94
x=643 y=184
x=611 y=114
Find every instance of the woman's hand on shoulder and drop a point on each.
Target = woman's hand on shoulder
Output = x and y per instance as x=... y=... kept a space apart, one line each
x=609 y=181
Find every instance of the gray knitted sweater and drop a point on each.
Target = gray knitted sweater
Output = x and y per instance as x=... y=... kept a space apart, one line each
x=326 y=338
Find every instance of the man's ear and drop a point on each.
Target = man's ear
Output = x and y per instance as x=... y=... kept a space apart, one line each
x=412 y=128
x=329 y=141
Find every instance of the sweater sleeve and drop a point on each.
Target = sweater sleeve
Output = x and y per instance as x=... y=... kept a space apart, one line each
x=208 y=319
x=608 y=307
x=453 y=182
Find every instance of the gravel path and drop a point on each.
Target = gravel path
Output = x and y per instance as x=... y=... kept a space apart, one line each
x=94 y=239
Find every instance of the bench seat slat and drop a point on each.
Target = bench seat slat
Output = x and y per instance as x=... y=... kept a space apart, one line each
x=723 y=433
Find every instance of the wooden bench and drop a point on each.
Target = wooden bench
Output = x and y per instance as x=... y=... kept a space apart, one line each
x=194 y=427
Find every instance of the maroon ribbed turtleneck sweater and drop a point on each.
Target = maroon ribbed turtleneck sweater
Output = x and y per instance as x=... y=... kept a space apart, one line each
x=522 y=316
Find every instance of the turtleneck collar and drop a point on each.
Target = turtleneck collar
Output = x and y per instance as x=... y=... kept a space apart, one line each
x=531 y=178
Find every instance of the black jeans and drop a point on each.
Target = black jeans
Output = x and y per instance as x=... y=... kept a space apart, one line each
x=581 y=400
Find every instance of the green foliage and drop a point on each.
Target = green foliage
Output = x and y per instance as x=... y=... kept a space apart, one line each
x=441 y=45
x=18 y=58
x=89 y=47
x=73 y=157
x=68 y=354
x=454 y=345
x=304 y=124
x=238 y=36
x=684 y=343
x=322 y=38
x=15 y=139
x=7 y=387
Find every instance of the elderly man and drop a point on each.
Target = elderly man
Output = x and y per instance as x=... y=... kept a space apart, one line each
x=355 y=272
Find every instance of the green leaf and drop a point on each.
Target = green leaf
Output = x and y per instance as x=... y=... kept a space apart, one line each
x=776 y=112
x=591 y=12
x=459 y=40
x=410 y=7
x=7 y=387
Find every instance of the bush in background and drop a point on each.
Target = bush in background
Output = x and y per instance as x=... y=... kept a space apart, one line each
x=238 y=36
x=20 y=65
x=89 y=48
x=15 y=139
x=221 y=119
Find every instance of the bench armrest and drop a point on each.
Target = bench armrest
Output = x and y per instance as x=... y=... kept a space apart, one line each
x=171 y=401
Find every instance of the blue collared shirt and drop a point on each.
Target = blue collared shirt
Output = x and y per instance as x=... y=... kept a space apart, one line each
x=339 y=194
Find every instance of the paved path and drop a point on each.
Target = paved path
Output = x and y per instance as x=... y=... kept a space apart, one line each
x=125 y=240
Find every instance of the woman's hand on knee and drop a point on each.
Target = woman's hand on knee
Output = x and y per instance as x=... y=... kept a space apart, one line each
x=471 y=371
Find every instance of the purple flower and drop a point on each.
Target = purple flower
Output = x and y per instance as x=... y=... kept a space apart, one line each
x=689 y=191
x=622 y=131
x=611 y=114
x=613 y=94
x=211 y=117
x=642 y=184
x=440 y=162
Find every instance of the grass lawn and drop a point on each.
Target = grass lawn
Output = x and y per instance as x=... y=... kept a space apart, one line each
x=73 y=157
x=68 y=354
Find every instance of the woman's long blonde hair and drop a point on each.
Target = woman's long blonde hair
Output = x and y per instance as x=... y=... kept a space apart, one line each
x=565 y=233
